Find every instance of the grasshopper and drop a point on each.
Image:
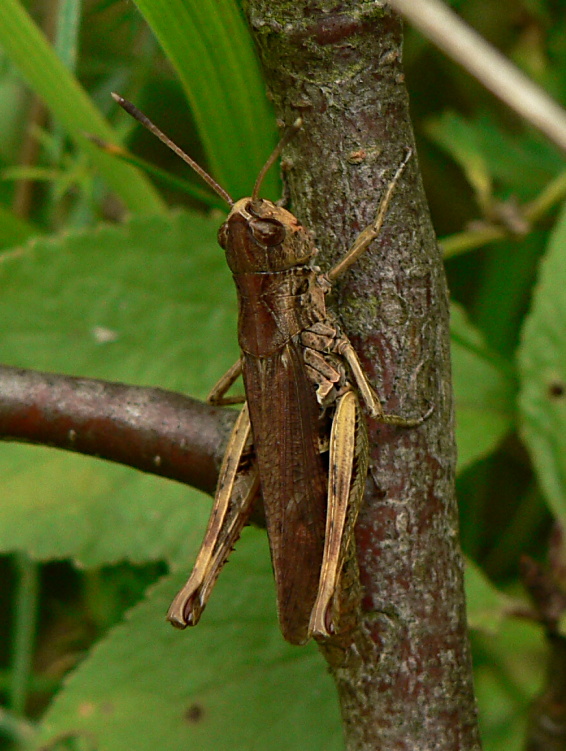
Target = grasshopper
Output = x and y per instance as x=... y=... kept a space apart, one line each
x=301 y=416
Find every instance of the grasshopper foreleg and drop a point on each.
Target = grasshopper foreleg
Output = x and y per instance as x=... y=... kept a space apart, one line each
x=235 y=493
x=363 y=240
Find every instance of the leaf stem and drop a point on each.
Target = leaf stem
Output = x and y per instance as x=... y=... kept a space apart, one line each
x=25 y=619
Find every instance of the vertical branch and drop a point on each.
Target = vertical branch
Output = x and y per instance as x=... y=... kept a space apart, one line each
x=404 y=673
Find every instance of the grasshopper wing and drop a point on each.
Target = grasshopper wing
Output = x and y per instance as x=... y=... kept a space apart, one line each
x=284 y=415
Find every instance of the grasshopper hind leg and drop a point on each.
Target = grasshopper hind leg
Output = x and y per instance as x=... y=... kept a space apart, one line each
x=237 y=488
x=348 y=462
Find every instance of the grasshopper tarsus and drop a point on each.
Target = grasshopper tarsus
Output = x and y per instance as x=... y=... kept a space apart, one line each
x=184 y=610
x=177 y=623
x=322 y=627
x=403 y=422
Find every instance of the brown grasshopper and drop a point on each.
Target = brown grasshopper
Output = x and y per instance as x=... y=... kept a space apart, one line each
x=301 y=413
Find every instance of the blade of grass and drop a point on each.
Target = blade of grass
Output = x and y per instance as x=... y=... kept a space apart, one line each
x=66 y=44
x=25 y=44
x=68 y=21
x=201 y=194
x=210 y=47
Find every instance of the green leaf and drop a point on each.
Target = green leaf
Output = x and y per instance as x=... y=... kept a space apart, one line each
x=231 y=683
x=211 y=49
x=523 y=162
x=27 y=47
x=484 y=392
x=14 y=230
x=486 y=605
x=542 y=368
x=149 y=303
x=506 y=678
x=459 y=139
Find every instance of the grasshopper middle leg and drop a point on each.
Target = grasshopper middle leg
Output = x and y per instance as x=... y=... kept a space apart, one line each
x=366 y=391
x=218 y=391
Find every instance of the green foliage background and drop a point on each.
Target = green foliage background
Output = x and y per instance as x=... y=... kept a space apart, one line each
x=149 y=301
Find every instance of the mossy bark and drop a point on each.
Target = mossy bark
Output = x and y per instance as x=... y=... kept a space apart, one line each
x=404 y=671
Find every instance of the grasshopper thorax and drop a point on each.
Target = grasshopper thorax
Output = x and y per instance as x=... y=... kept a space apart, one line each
x=259 y=236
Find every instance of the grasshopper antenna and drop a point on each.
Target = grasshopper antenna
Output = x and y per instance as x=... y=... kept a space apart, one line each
x=287 y=136
x=146 y=122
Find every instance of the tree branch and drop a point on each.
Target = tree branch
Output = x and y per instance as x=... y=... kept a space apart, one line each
x=498 y=74
x=151 y=429
x=404 y=673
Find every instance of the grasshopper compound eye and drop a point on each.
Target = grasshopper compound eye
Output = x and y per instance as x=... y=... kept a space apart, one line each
x=267 y=231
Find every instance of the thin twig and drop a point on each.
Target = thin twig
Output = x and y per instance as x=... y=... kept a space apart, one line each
x=464 y=45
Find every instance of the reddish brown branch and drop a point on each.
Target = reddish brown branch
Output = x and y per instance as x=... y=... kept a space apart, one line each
x=403 y=673
x=151 y=429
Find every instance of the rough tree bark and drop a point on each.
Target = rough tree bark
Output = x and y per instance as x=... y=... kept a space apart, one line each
x=404 y=675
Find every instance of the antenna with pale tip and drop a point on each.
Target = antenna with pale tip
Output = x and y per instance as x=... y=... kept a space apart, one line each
x=287 y=136
x=146 y=122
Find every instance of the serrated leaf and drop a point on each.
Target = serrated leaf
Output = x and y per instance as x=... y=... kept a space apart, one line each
x=484 y=392
x=486 y=605
x=150 y=303
x=231 y=683
x=542 y=368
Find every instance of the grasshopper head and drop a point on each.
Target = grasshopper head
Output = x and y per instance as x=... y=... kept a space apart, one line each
x=259 y=236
